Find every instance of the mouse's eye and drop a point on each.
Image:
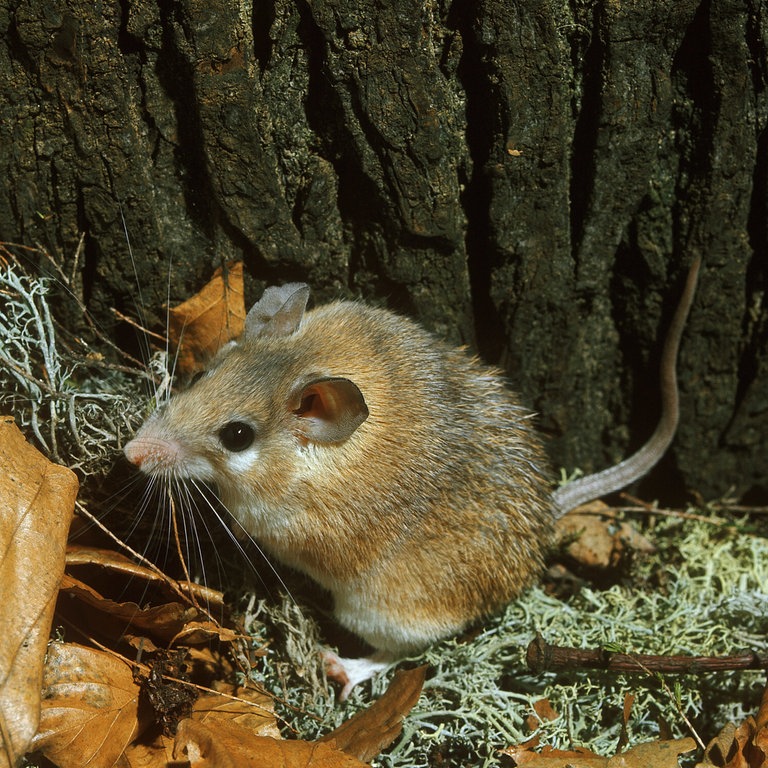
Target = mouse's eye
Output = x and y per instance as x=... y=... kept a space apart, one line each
x=237 y=436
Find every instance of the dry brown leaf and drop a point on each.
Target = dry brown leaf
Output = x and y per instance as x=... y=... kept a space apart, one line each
x=252 y=712
x=200 y=326
x=365 y=734
x=554 y=758
x=543 y=711
x=218 y=739
x=654 y=754
x=761 y=721
x=156 y=754
x=213 y=663
x=596 y=539
x=743 y=746
x=37 y=499
x=161 y=621
x=724 y=750
x=90 y=710
x=164 y=618
x=227 y=745
x=107 y=560
x=250 y=709
x=629 y=701
x=759 y=746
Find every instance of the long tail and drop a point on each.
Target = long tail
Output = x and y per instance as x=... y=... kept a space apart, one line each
x=638 y=464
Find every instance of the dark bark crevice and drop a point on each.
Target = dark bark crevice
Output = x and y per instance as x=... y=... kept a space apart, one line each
x=177 y=78
x=475 y=74
x=590 y=67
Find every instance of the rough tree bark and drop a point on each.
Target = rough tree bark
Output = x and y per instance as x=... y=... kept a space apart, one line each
x=527 y=176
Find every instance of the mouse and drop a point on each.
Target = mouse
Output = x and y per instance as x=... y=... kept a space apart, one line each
x=400 y=473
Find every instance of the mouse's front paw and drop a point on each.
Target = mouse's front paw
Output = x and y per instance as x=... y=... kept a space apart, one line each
x=349 y=672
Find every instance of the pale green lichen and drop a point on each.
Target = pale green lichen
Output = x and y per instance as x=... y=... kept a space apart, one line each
x=706 y=596
x=75 y=416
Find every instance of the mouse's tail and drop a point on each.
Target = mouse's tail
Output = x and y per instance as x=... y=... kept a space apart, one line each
x=638 y=464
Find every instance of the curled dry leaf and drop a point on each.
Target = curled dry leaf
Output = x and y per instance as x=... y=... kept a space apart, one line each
x=250 y=713
x=229 y=746
x=596 y=539
x=578 y=757
x=157 y=753
x=726 y=750
x=664 y=753
x=113 y=564
x=37 y=499
x=742 y=746
x=90 y=710
x=365 y=734
x=200 y=326
x=165 y=618
x=219 y=738
x=248 y=708
x=543 y=711
x=162 y=622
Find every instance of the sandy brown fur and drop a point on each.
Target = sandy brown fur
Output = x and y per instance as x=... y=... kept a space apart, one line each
x=398 y=472
x=435 y=511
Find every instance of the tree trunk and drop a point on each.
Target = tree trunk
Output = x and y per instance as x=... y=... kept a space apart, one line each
x=528 y=177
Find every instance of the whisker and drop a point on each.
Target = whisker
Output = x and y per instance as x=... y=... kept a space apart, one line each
x=140 y=304
x=168 y=315
x=239 y=546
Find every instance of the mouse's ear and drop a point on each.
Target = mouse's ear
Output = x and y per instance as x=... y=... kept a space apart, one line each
x=329 y=410
x=278 y=312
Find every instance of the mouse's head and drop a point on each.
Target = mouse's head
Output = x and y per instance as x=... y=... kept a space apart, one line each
x=263 y=402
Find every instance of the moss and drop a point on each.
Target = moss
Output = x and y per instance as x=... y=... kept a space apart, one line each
x=77 y=412
x=479 y=695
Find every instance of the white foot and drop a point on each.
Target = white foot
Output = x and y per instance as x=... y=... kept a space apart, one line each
x=349 y=672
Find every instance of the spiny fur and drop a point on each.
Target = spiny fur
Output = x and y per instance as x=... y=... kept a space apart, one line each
x=435 y=512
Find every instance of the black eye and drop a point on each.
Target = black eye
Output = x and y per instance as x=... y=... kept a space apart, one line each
x=237 y=436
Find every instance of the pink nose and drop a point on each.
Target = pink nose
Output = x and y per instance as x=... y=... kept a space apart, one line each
x=152 y=453
x=136 y=452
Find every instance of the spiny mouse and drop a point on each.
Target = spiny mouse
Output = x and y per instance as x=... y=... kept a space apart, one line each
x=398 y=472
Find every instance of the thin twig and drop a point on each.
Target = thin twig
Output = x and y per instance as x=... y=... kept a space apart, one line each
x=138 y=326
x=177 y=587
x=541 y=656
x=182 y=559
